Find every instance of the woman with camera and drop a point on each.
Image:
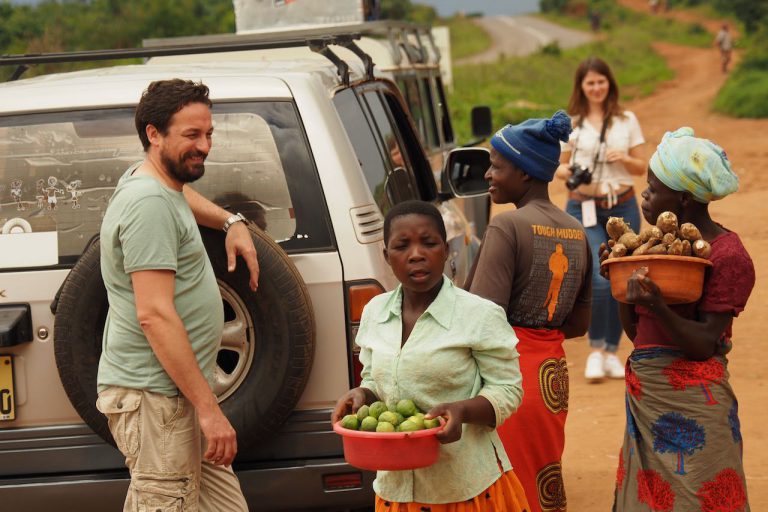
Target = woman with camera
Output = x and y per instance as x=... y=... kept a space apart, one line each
x=598 y=163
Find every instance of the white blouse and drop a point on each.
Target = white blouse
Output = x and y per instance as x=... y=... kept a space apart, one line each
x=584 y=143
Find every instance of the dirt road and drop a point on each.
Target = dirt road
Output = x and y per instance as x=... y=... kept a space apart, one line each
x=596 y=412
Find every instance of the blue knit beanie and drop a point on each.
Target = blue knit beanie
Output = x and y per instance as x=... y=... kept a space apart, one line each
x=534 y=145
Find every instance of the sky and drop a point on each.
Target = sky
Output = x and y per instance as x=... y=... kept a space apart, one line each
x=488 y=7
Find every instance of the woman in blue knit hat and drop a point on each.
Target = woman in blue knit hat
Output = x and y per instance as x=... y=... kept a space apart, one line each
x=535 y=262
x=598 y=163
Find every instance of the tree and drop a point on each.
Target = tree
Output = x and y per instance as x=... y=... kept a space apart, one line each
x=683 y=372
x=724 y=493
x=654 y=491
x=750 y=12
x=553 y=5
x=674 y=433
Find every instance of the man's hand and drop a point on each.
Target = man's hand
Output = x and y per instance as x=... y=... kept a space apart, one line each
x=219 y=435
x=349 y=403
x=239 y=242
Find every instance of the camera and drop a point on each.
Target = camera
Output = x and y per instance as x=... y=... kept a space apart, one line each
x=581 y=176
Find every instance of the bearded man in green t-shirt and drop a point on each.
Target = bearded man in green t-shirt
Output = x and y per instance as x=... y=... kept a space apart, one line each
x=166 y=315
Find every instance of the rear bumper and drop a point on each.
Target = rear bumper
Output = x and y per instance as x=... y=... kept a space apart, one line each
x=294 y=486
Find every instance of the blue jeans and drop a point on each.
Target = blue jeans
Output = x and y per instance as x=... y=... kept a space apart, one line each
x=605 y=327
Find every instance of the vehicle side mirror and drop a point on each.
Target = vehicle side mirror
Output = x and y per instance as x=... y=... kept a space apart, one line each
x=482 y=123
x=465 y=169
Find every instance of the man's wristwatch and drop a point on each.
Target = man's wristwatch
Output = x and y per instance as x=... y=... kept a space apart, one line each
x=238 y=217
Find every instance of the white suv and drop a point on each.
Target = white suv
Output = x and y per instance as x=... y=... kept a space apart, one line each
x=312 y=155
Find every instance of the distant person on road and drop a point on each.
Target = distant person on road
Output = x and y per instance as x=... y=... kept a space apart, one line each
x=598 y=163
x=595 y=19
x=682 y=444
x=654 y=5
x=454 y=355
x=165 y=319
x=535 y=263
x=724 y=43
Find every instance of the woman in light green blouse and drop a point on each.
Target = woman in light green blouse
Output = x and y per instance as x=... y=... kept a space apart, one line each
x=453 y=354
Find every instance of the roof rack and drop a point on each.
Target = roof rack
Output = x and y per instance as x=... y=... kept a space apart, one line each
x=408 y=36
x=319 y=43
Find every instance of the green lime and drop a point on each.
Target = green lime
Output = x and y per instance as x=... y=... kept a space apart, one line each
x=377 y=408
x=408 y=426
x=434 y=422
x=362 y=412
x=406 y=408
x=385 y=426
x=350 y=421
x=369 y=424
x=389 y=417
x=400 y=418
x=417 y=420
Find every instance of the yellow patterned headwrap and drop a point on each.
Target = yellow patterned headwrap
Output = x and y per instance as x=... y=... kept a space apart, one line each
x=689 y=164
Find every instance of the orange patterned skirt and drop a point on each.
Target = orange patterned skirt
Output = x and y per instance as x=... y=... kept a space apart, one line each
x=504 y=495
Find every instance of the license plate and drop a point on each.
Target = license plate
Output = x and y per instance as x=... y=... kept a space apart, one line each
x=7 y=405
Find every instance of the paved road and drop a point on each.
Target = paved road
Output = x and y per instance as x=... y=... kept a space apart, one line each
x=523 y=35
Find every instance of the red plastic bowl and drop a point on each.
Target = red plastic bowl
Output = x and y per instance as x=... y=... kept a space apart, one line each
x=390 y=450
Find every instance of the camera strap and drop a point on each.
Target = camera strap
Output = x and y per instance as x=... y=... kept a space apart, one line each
x=600 y=145
x=603 y=129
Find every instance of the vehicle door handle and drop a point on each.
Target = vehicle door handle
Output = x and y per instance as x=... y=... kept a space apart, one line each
x=15 y=324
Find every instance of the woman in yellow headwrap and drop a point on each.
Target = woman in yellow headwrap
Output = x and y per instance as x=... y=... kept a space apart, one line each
x=682 y=445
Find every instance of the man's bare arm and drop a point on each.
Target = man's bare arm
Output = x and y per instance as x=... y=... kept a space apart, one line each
x=158 y=318
x=238 y=241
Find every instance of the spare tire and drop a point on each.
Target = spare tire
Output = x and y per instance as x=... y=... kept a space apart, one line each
x=267 y=346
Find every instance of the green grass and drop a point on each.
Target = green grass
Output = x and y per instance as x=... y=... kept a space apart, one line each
x=517 y=88
x=745 y=94
x=467 y=38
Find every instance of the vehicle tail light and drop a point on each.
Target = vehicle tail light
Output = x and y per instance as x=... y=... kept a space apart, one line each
x=358 y=295
x=342 y=482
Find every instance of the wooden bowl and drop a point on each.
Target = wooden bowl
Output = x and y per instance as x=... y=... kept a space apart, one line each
x=680 y=278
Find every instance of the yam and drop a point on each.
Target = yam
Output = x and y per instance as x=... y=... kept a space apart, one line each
x=675 y=248
x=618 y=251
x=687 y=251
x=701 y=248
x=643 y=249
x=650 y=232
x=611 y=242
x=667 y=222
x=690 y=232
x=657 y=249
x=616 y=227
x=668 y=238
x=630 y=240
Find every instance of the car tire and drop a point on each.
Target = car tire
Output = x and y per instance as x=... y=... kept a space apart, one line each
x=267 y=347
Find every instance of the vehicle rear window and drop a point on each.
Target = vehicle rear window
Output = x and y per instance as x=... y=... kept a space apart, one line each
x=58 y=171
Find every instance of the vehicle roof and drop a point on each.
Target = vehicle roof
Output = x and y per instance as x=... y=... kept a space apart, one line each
x=122 y=85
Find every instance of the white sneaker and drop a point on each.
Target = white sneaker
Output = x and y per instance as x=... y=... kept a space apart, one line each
x=595 y=370
x=613 y=367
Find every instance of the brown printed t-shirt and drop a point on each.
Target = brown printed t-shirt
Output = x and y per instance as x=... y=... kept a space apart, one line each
x=535 y=262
